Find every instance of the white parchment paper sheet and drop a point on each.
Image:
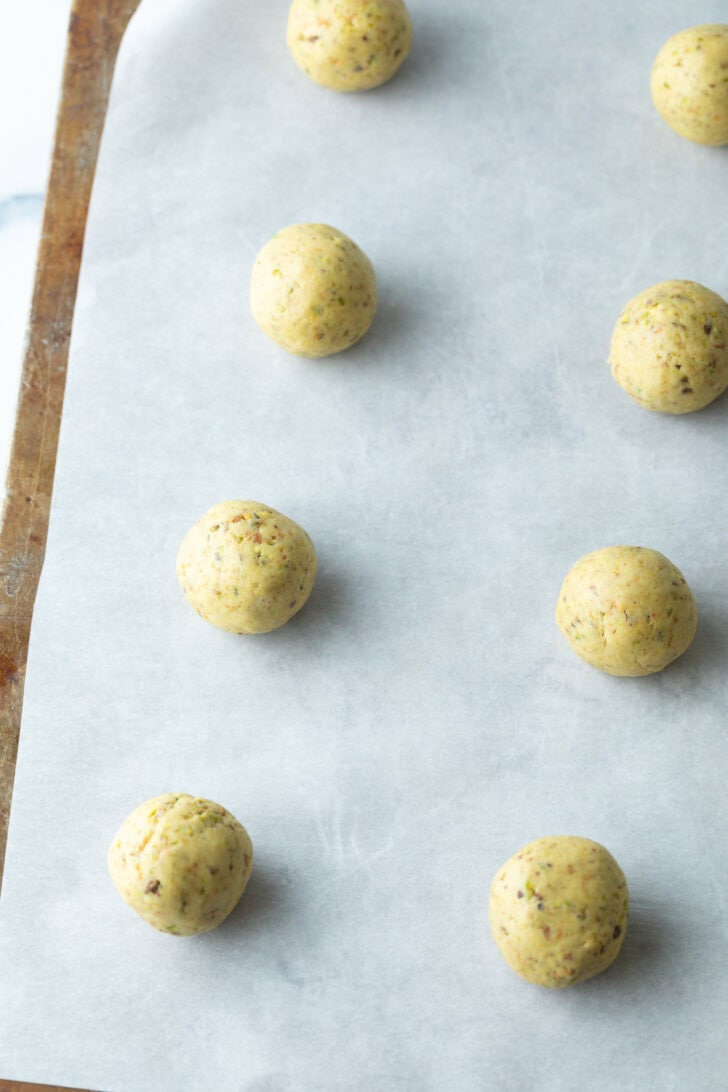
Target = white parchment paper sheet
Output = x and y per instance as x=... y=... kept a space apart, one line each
x=422 y=718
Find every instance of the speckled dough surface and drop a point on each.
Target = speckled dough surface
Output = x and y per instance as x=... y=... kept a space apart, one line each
x=349 y=45
x=558 y=910
x=313 y=290
x=181 y=862
x=627 y=610
x=669 y=348
x=246 y=568
x=689 y=83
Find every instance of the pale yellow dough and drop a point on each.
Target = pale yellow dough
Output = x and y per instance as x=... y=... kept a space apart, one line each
x=181 y=862
x=689 y=83
x=246 y=568
x=626 y=610
x=313 y=290
x=558 y=910
x=349 y=45
x=669 y=348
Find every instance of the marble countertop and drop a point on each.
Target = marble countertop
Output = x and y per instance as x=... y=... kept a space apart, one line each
x=31 y=59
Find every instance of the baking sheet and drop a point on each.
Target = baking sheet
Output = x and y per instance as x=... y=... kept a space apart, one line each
x=422 y=718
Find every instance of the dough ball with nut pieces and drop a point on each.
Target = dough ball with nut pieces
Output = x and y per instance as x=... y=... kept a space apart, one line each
x=312 y=290
x=181 y=862
x=246 y=568
x=669 y=348
x=558 y=910
x=349 y=45
x=689 y=83
x=626 y=610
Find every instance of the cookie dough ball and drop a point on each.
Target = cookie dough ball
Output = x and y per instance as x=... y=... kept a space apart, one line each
x=313 y=290
x=349 y=45
x=669 y=348
x=245 y=567
x=689 y=83
x=558 y=910
x=626 y=610
x=181 y=862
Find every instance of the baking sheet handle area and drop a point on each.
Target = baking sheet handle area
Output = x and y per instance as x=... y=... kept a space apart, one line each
x=95 y=31
x=22 y=1086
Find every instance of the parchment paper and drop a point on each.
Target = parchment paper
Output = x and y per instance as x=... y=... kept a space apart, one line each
x=422 y=718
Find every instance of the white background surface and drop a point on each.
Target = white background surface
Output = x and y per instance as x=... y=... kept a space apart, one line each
x=422 y=718
x=31 y=57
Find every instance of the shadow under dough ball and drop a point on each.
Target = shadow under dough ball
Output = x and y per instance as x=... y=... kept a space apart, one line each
x=669 y=348
x=558 y=910
x=312 y=290
x=246 y=568
x=181 y=862
x=349 y=45
x=626 y=610
x=689 y=83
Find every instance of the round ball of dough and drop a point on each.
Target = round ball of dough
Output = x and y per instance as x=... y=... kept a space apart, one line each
x=689 y=83
x=181 y=862
x=558 y=910
x=626 y=610
x=313 y=290
x=349 y=45
x=669 y=348
x=245 y=567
